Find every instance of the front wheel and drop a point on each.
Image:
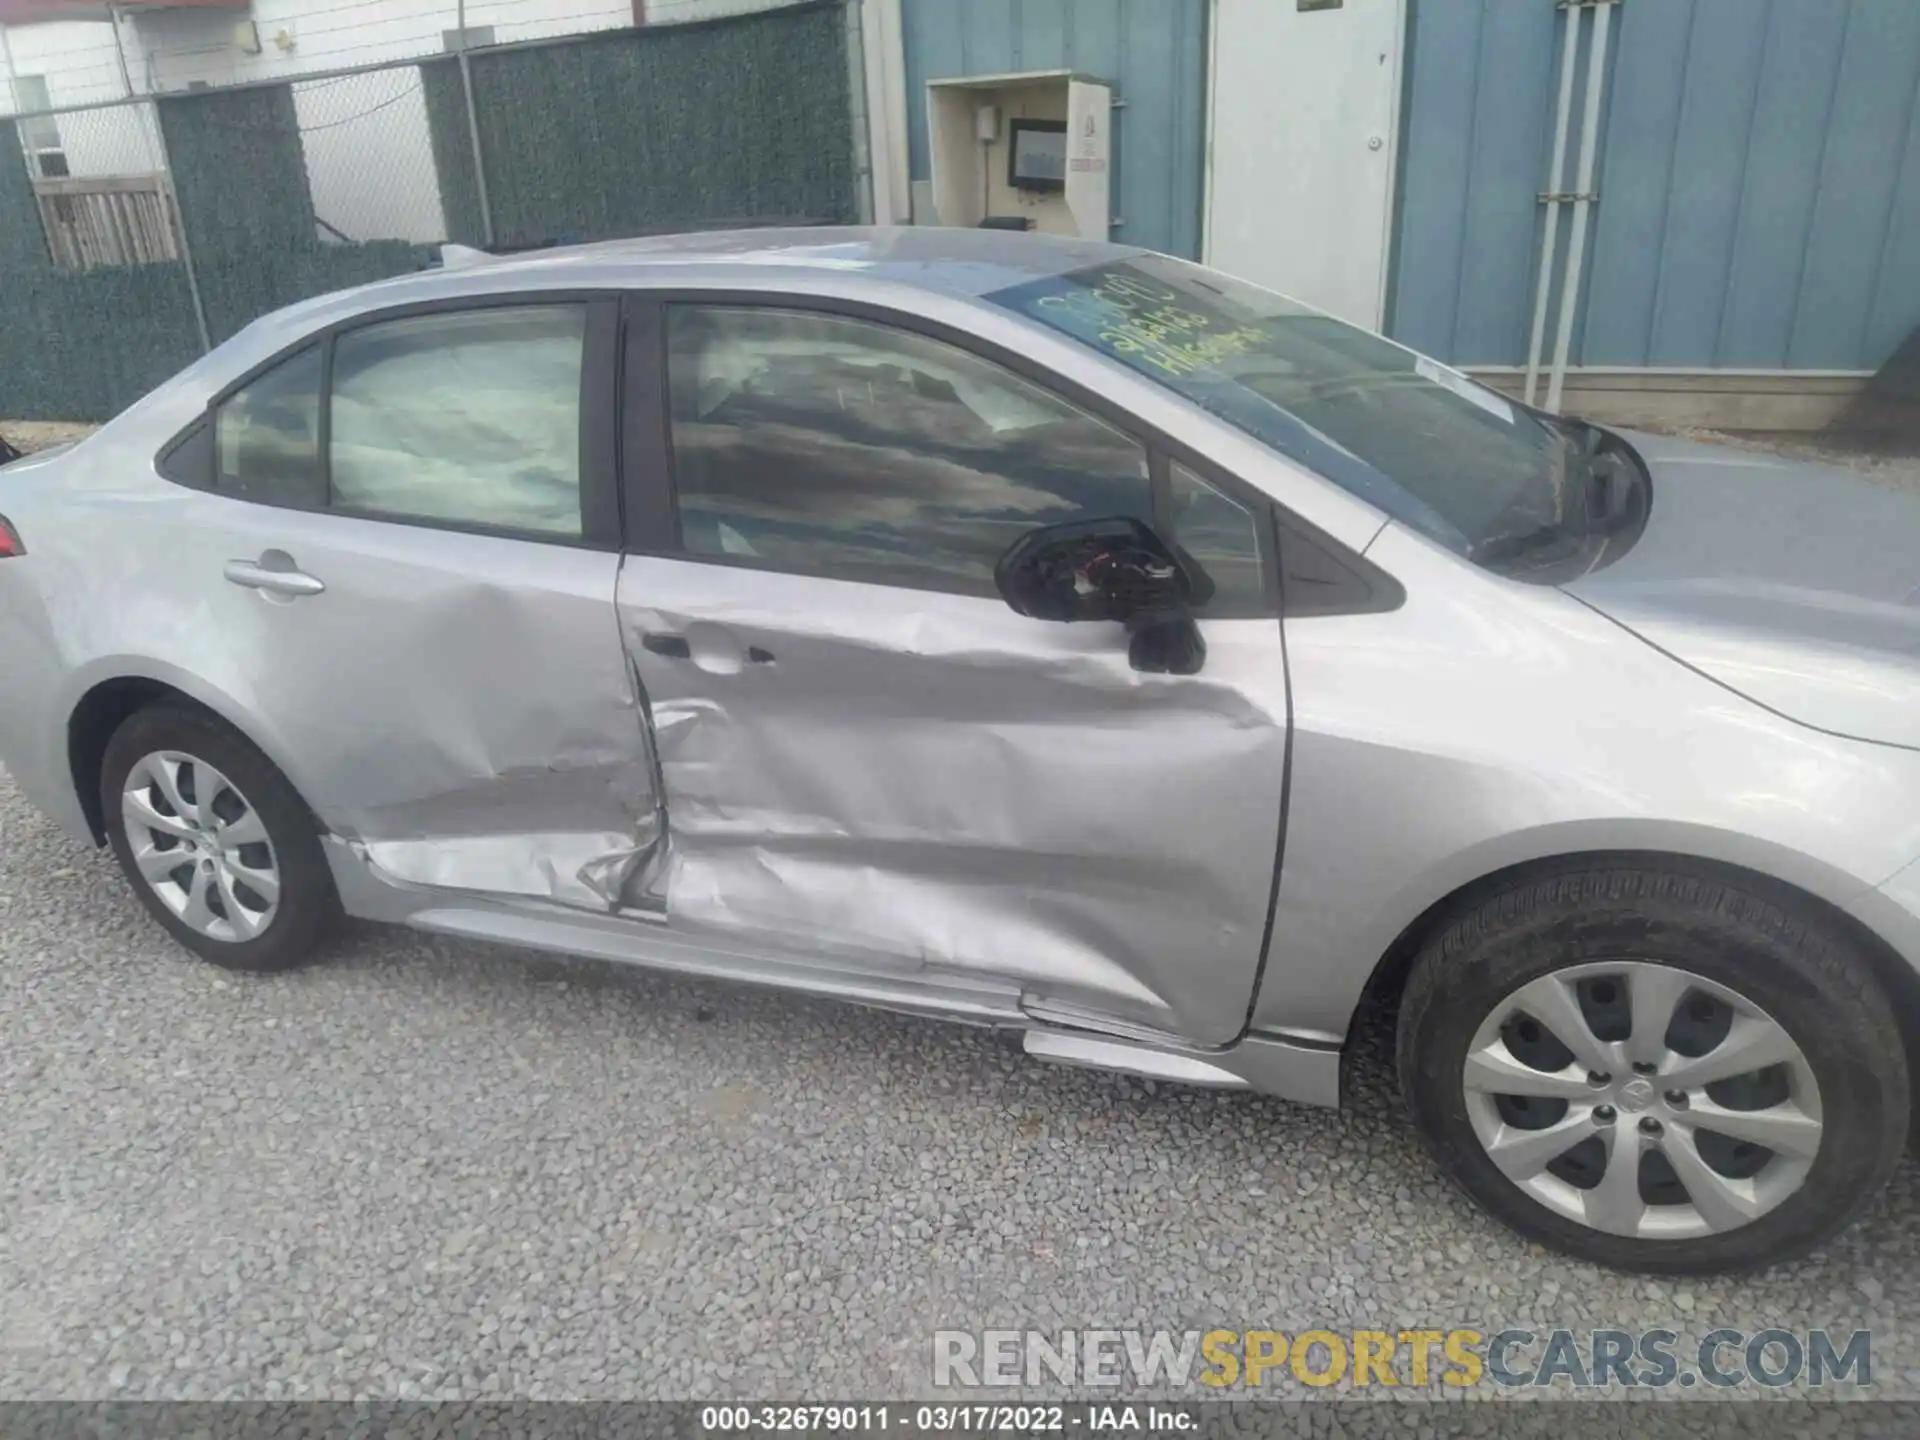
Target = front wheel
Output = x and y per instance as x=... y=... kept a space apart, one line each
x=215 y=841
x=1655 y=1071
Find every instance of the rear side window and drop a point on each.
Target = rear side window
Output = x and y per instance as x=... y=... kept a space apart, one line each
x=469 y=416
x=267 y=436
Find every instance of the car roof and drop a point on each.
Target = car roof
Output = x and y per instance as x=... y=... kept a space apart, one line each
x=958 y=262
x=949 y=261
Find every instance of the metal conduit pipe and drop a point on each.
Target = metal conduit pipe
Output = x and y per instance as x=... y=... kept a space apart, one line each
x=1582 y=199
x=1552 y=197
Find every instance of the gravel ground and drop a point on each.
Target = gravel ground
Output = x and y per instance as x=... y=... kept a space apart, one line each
x=444 y=1169
x=438 y=1169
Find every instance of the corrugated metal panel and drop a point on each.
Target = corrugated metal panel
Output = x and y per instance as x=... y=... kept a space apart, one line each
x=1476 y=135
x=1153 y=51
x=1759 y=183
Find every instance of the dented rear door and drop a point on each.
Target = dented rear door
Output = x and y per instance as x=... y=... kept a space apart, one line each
x=867 y=757
x=427 y=635
x=462 y=706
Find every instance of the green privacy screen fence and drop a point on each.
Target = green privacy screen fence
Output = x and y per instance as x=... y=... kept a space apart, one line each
x=256 y=246
x=272 y=193
x=604 y=137
x=78 y=345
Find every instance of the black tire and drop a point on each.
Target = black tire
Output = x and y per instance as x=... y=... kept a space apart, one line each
x=309 y=906
x=1784 y=956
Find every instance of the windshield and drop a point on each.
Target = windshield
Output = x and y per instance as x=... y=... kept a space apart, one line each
x=1513 y=490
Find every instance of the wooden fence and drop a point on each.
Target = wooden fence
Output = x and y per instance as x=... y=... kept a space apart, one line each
x=107 y=220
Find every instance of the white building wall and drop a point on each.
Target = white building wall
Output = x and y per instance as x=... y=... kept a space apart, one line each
x=77 y=61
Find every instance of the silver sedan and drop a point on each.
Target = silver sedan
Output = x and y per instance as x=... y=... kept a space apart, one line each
x=1039 y=634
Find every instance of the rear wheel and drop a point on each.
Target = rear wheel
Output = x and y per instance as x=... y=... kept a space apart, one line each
x=1655 y=1071
x=215 y=841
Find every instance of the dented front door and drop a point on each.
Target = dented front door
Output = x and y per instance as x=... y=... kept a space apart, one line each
x=916 y=780
x=868 y=758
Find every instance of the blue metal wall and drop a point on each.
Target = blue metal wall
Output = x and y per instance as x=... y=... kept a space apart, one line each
x=1759 y=183
x=1153 y=52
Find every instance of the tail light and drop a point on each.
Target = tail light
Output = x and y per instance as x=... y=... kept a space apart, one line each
x=9 y=540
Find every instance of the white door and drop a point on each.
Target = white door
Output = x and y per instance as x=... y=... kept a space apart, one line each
x=1301 y=140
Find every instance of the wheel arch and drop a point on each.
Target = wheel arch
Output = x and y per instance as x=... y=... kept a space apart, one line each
x=108 y=696
x=1388 y=980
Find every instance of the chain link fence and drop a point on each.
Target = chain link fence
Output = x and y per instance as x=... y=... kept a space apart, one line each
x=136 y=233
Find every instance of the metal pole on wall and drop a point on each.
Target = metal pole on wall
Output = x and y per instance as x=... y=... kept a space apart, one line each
x=120 y=50
x=473 y=131
x=1553 y=197
x=1583 y=197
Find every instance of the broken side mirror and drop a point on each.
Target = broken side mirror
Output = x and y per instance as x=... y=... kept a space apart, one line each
x=1112 y=569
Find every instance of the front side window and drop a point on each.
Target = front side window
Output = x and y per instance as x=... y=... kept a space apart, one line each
x=1533 y=496
x=267 y=436
x=833 y=446
x=469 y=416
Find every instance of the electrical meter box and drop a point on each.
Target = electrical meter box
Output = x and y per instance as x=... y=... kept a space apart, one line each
x=1022 y=152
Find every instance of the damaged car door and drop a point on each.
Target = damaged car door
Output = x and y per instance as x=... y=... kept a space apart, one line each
x=417 y=518
x=868 y=756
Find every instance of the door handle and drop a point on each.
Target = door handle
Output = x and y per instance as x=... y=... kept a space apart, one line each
x=674 y=647
x=677 y=647
x=256 y=576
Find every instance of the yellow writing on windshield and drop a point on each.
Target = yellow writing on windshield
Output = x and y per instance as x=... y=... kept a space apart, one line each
x=1140 y=320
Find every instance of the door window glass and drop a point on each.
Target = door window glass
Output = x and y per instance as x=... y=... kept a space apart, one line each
x=470 y=416
x=833 y=446
x=1224 y=536
x=267 y=436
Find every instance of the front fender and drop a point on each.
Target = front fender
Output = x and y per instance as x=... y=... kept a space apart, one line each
x=1488 y=724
